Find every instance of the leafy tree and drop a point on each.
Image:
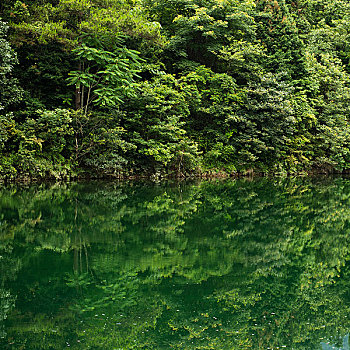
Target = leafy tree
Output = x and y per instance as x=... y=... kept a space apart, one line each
x=157 y=118
x=10 y=95
x=107 y=76
x=9 y=91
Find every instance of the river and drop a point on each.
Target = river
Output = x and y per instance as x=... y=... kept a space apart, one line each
x=221 y=264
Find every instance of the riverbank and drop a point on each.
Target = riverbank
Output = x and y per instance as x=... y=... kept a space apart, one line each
x=203 y=175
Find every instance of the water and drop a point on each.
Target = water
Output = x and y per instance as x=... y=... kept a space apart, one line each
x=260 y=264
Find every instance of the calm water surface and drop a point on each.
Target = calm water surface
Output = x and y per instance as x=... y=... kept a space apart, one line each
x=260 y=264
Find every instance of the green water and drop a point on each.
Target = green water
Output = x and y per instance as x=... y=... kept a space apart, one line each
x=260 y=264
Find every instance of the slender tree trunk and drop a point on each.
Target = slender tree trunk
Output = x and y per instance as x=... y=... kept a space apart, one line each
x=78 y=92
x=82 y=98
x=87 y=100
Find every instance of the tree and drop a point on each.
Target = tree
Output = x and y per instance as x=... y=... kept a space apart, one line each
x=10 y=94
x=9 y=90
x=105 y=77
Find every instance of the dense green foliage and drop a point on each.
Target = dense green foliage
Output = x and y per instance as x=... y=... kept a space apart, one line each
x=216 y=265
x=121 y=87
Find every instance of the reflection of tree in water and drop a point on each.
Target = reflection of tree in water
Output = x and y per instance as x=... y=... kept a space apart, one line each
x=7 y=302
x=345 y=346
x=8 y=270
x=216 y=265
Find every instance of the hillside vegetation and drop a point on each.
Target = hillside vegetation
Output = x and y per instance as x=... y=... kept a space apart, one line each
x=173 y=87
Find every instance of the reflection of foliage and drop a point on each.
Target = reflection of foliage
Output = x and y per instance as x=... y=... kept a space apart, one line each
x=104 y=295
x=240 y=264
x=6 y=303
x=327 y=346
x=8 y=268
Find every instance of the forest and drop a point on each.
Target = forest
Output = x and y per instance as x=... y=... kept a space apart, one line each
x=122 y=88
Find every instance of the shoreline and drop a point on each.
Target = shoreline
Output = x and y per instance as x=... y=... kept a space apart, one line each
x=208 y=175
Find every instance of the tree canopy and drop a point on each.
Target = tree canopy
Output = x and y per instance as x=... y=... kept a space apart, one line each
x=180 y=87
